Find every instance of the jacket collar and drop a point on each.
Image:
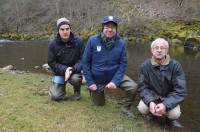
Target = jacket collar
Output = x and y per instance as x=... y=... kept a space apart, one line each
x=108 y=43
x=166 y=62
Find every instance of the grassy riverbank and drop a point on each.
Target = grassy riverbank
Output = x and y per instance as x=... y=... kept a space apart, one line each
x=25 y=107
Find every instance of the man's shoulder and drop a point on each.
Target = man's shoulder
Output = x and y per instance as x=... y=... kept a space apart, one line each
x=146 y=63
x=94 y=40
x=120 y=39
x=78 y=39
x=174 y=63
x=94 y=37
x=52 y=42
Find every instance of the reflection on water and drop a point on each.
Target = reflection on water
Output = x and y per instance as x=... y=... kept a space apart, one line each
x=23 y=55
x=27 y=55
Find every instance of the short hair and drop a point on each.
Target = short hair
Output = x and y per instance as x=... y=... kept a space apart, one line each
x=160 y=40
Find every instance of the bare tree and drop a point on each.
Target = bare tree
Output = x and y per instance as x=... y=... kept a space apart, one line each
x=179 y=2
x=57 y=2
x=18 y=22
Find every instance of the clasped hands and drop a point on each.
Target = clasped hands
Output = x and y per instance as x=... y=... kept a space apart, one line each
x=110 y=86
x=157 y=109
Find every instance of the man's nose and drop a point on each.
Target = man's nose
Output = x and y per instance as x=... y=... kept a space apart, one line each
x=159 y=49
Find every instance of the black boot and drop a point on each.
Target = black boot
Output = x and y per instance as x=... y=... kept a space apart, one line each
x=126 y=111
x=98 y=98
x=76 y=80
x=175 y=124
x=76 y=96
x=57 y=92
x=150 y=118
x=127 y=103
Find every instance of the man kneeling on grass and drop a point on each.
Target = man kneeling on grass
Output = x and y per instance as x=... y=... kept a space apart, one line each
x=64 y=56
x=104 y=63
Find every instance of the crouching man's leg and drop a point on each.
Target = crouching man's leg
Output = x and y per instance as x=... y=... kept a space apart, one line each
x=76 y=80
x=144 y=109
x=57 y=91
x=130 y=87
x=173 y=116
x=98 y=98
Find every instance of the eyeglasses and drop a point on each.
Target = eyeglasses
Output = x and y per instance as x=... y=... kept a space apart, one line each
x=159 y=47
x=109 y=26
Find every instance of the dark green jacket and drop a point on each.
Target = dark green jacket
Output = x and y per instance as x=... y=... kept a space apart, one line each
x=162 y=83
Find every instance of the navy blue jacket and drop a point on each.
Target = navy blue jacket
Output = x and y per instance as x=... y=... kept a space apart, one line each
x=102 y=65
x=65 y=54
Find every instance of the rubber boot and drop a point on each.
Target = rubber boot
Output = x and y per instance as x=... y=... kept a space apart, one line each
x=127 y=103
x=57 y=92
x=174 y=124
x=77 y=94
x=98 y=98
x=151 y=119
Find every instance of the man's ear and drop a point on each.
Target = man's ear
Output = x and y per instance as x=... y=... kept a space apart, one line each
x=167 y=50
x=151 y=50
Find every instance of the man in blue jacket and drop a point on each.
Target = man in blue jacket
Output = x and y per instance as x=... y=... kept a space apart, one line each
x=104 y=63
x=162 y=84
x=64 y=55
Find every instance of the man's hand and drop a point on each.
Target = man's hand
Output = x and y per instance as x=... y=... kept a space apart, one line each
x=160 y=109
x=111 y=85
x=93 y=87
x=152 y=109
x=68 y=73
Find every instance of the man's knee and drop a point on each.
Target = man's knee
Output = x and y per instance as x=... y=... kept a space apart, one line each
x=57 y=91
x=143 y=108
x=76 y=79
x=175 y=113
x=128 y=84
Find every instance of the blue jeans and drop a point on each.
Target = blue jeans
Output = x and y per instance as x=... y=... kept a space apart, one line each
x=58 y=92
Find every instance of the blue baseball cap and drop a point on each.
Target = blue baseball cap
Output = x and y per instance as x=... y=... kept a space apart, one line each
x=107 y=19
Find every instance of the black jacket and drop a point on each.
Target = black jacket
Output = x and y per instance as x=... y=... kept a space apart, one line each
x=162 y=83
x=65 y=54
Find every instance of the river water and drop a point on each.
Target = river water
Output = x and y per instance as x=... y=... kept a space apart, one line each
x=27 y=55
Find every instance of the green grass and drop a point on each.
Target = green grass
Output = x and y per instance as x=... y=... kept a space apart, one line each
x=25 y=107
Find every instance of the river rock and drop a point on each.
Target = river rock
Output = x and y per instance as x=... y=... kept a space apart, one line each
x=22 y=58
x=177 y=41
x=5 y=41
x=17 y=72
x=36 y=67
x=192 y=42
x=46 y=67
x=8 y=67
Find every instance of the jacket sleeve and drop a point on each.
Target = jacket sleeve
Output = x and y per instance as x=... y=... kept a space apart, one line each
x=144 y=90
x=179 y=92
x=56 y=67
x=117 y=78
x=78 y=67
x=86 y=63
